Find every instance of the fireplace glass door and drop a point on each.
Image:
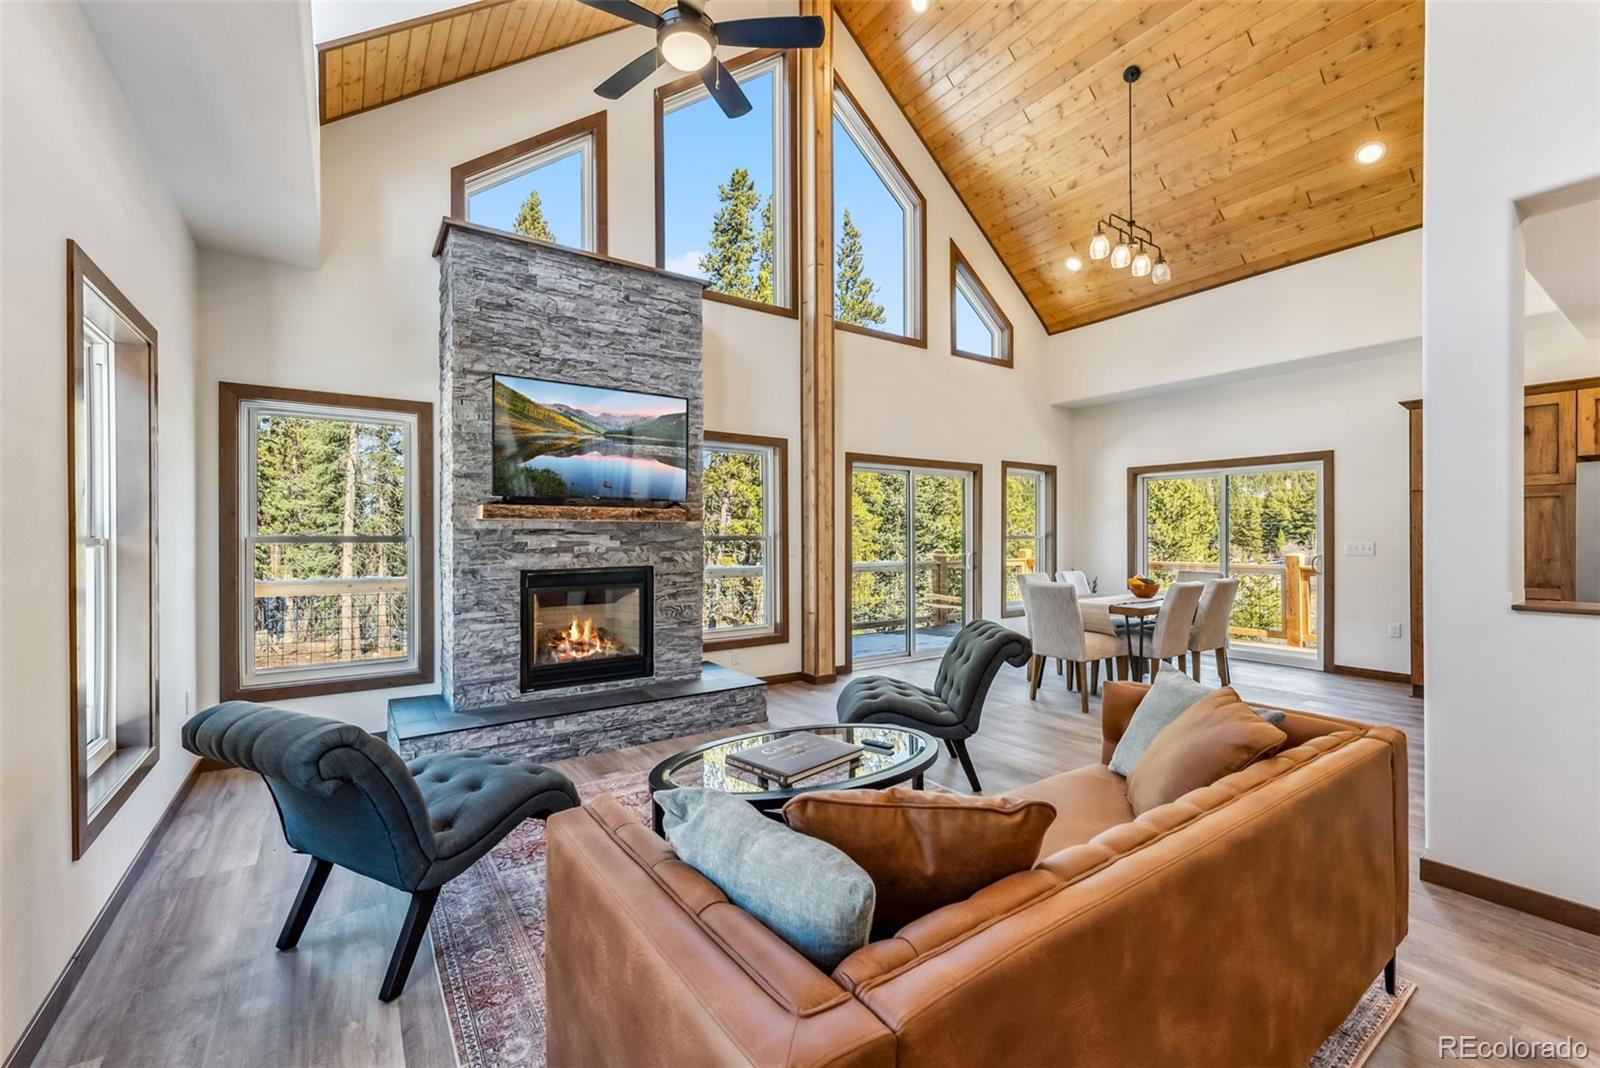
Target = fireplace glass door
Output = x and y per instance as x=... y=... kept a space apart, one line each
x=586 y=626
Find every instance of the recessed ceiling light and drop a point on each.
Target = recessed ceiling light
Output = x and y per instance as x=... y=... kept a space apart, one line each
x=919 y=6
x=1074 y=264
x=1370 y=153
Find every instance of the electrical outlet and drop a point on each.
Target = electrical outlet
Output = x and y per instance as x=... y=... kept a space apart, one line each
x=1395 y=630
x=1361 y=548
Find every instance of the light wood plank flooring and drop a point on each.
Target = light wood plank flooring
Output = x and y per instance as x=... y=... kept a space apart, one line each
x=188 y=975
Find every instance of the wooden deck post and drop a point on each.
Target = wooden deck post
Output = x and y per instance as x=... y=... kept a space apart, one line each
x=818 y=375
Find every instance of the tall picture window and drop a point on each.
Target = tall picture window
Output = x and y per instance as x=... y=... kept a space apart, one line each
x=744 y=494
x=550 y=186
x=1028 y=514
x=111 y=369
x=979 y=330
x=725 y=187
x=878 y=231
x=329 y=541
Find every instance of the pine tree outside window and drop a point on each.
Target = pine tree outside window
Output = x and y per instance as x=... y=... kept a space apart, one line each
x=548 y=187
x=743 y=494
x=1027 y=509
x=725 y=197
x=333 y=588
x=878 y=231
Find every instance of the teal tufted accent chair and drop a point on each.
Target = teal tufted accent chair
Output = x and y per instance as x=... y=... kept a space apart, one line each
x=346 y=798
x=951 y=709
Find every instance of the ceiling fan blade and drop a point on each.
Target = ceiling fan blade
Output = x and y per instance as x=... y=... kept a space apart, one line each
x=631 y=75
x=623 y=9
x=787 y=31
x=724 y=89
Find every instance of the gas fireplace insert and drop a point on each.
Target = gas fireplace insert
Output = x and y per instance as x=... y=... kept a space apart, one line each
x=586 y=626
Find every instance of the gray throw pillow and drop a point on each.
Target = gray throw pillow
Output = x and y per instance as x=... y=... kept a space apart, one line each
x=1273 y=716
x=1168 y=698
x=807 y=892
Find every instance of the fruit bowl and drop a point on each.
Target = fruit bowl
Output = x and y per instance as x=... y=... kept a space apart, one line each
x=1142 y=587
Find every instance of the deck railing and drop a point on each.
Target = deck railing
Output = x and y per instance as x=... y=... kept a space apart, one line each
x=1296 y=617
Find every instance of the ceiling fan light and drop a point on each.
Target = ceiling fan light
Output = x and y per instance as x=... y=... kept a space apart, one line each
x=1161 y=273
x=1099 y=245
x=687 y=46
x=1141 y=263
x=1121 y=256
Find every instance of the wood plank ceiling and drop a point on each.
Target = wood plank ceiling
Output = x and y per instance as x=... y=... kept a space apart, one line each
x=1245 y=120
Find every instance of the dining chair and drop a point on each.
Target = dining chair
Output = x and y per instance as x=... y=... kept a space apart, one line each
x=1210 y=629
x=1055 y=620
x=1170 y=638
x=1079 y=580
x=1196 y=576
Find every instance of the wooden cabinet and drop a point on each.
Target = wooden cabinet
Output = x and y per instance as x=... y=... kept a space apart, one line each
x=1550 y=439
x=1550 y=542
x=1589 y=424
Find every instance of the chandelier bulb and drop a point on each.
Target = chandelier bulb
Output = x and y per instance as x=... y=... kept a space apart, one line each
x=1141 y=263
x=1161 y=273
x=1121 y=255
x=1099 y=245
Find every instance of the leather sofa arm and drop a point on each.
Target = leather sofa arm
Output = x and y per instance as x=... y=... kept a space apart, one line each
x=647 y=963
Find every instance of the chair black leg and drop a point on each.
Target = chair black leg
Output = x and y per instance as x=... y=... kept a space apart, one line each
x=950 y=747
x=304 y=902
x=966 y=764
x=405 y=950
x=1388 y=977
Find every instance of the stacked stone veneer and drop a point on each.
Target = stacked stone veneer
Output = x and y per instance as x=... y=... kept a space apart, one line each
x=511 y=306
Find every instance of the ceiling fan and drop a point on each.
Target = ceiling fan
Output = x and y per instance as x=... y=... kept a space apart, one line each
x=688 y=40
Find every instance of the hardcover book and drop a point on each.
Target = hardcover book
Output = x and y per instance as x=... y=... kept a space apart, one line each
x=793 y=757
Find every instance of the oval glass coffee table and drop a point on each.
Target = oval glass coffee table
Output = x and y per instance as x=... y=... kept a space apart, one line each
x=907 y=755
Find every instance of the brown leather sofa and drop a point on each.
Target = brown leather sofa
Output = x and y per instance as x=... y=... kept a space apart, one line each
x=1237 y=926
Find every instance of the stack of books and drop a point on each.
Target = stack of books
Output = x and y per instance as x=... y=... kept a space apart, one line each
x=787 y=760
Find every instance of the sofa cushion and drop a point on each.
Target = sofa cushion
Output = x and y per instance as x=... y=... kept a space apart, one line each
x=1216 y=736
x=1087 y=800
x=805 y=891
x=924 y=850
x=1169 y=696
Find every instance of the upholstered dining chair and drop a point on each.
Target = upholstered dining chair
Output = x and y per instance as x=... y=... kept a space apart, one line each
x=346 y=798
x=1055 y=620
x=952 y=709
x=1210 y=630
x=1170 y=638
x=1079 y=580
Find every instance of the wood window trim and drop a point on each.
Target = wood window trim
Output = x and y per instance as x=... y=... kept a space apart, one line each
x=127 y=767
x=780 y=450
x=851 y=459
x=1049 y=473
x=791 y=111
x=920 y=341
x=958 y=262
x=1326 y=591
x=593 y=125
x=230 y=397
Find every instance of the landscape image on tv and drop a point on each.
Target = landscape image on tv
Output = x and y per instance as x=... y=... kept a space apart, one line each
x=557 y=441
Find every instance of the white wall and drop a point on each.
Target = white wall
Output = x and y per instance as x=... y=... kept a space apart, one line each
x=1513 y=754
x=367 y=319
x=74 y=168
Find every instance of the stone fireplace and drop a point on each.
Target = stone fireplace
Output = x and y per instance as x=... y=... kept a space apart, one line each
x=564 y=630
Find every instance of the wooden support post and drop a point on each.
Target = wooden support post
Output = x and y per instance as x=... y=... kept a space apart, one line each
x=1293 y=609
x=818 y=378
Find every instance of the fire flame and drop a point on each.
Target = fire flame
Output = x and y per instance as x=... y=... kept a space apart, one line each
x=578 y=643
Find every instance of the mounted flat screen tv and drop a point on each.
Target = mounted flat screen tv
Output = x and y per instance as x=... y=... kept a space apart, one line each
x=555 y=442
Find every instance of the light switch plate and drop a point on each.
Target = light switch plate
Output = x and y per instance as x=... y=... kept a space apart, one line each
x=1361 y=548
x=1394 y=630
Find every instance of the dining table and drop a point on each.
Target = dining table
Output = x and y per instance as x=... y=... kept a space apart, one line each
x=1101 y=612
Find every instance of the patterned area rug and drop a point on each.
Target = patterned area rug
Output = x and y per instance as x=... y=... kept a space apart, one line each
x=488 y=941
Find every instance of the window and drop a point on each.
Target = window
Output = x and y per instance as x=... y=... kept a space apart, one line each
x=744 y=491
x=979 y=330
x=329 y=502
x=878 y=230
x=112 y=572
x=1028 y=537
x=725 y=187
x=551 y=186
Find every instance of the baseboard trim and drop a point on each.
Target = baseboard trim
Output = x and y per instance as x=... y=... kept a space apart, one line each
x=816 y=680
x=782 y=677
x=1371 y=673
x=38 y=1029
x=1534 y=902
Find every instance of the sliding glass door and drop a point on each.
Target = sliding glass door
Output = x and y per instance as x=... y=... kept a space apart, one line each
x=911 y=558
x=1260 y=523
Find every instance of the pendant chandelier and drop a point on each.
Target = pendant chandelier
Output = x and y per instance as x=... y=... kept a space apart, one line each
x=1134 y=243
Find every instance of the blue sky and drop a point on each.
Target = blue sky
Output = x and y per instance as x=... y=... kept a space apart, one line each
x=592 y=399
x=972 y=333
x=881 y=220
x=560 y=186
